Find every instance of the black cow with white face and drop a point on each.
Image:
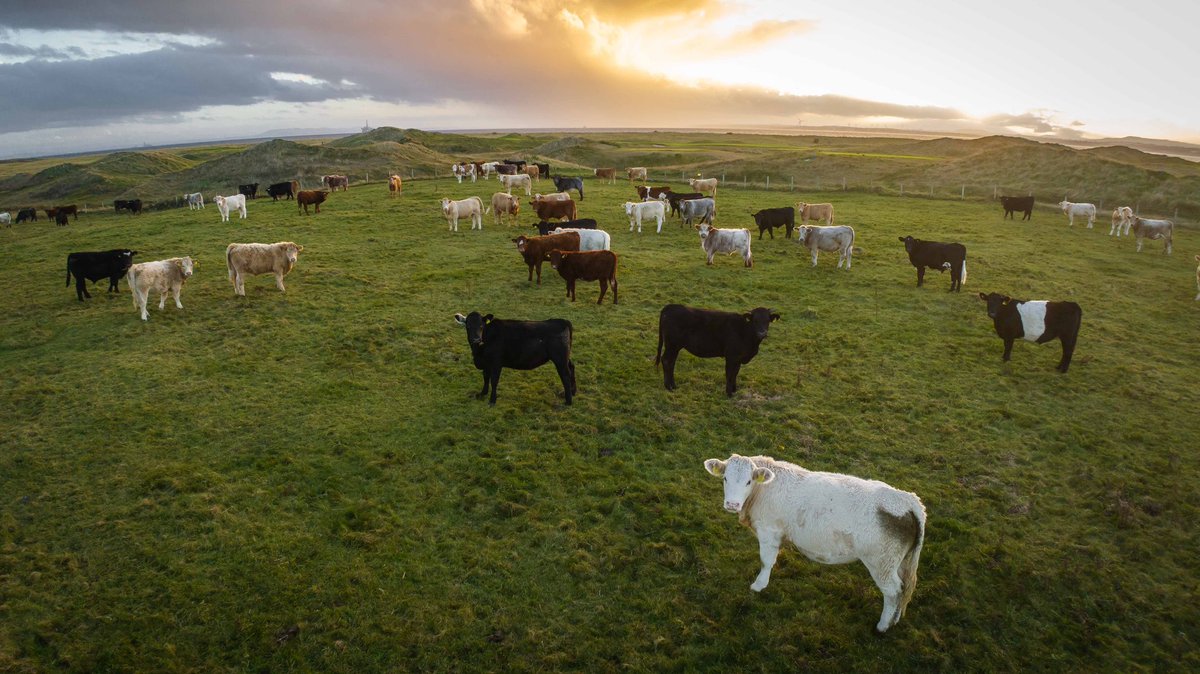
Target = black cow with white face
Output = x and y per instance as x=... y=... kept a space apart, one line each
x=1037 y=321
x=706 y=333
x=521 y=345
x=110 y=264
x=939 y=256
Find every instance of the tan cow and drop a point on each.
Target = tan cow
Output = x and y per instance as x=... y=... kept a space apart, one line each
x=503 y=204
x=806 y=212
x=557 y=196
x=161 y=275
x=394 y=185
x=260 y=258
x=609 y=173
x=705 y=185
x=532 y=171
x=523 y=180
x=637 y=173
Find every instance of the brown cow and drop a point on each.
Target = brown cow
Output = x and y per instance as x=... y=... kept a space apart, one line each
x=335 y=181
x=552 y=210
x=69 y=210
x=51 y=213
x=395 y=185
x=610 y=173
x=537 y=249
x=653 y=192
x=592 y=265
x=532 y=171
x=306 y=197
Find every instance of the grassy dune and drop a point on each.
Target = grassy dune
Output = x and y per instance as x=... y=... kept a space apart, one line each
x=305 y=481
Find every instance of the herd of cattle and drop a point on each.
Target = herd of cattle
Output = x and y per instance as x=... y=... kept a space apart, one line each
x=862 y=520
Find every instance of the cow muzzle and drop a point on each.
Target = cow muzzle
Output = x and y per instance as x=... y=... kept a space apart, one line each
x=733 y=507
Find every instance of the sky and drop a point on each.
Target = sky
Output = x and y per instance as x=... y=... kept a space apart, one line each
x=80 y=75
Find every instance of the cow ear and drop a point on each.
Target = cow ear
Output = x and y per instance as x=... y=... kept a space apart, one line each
x=488 y=318
x=460 y=319
x=746 y=316
x=715 y=466
x=775 y=316
x=1006 y=299
x=901 y=239
x=762 y=475
x=983 y=297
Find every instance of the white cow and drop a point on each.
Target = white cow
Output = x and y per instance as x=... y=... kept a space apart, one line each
x=224 y=204
x=161 y=275
x=642 y=210
x=508 y=182
x=1073 y=209
x=195 y=201
x=1122 y=217
x=705 y=185
x=832 y=519
x=589 y=239
x=6 y=218
x=488 y=168
x=828 y=239
x=252 y=259
x=557 y=196
x=1153 y=229
x=731 y=241
x=471 y=207
x=636 y=173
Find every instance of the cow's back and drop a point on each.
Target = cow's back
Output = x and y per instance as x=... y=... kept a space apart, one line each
x=525 y=345
x=702 y=332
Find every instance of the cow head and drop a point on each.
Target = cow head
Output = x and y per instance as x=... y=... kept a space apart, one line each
x=292 y=251
x=760 y=320
x=1063 y=205
x=705 y=230
x=909 y=243
x=521 y=241
x=740 y=475
x=629 y=208
x=445 y=206
x=995 y=302
x=475 y=324
x=186 y=266
x=802 y=233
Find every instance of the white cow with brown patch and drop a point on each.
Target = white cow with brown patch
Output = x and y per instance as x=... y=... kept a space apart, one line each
x=252 y=259
x=161 y=275
x=636 y=173
x=1122 y=218
x=832 y=519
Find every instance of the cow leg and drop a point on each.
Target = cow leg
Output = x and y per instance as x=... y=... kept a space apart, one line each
x=1139 y=244
x=670 y=354
x=920 y=276
x=279 y=282
x=603 y=289
x=566 y=374
x=889 y=583
x=178 y=304
x=1008 y=344
x=768 y=550
x=814 y=258
x=486 y=385
x=710 y=257
x=162 y=299
x=495 y=383
x=112 y=284
x=81 y=290
x=239 y=284
x=141 y=300
x=731 y=373
x=1068 y=350
x=571 y=289
x=614 y=288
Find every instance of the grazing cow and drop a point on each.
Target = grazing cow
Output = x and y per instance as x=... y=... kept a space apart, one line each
x=1037 y=321
x=543 y=170
x=224 y=204
x=703 y=209
x=508 y=182
x=471 y=207
x=110 y=264
x=250 y=191
x=536 y=249
x=24 y=214
x=832 y=519
x=335 y=181
x=503 y=204
x=506 y=170
x=646 y=193
x=67 y=210
x=1122 y=218
x=592 y=265
x=589 y=239
x=62 y=219
x=195 y=201
x=252 y=259
x=1143 y=229
x=6 y=218
x=828 y=239
x=545 y=228
x=50 y=213
x=1082 y=210
x=395 y=185
x=705 y=185
x=557 y=196
x=769 y=218
x=555 y=210
x=706 y=333
x=1013 y=204
x=676 y=198
x=818 y=212
x=1197 y=279
x=939 y=256
x=731 y=241
x=131 y=205
x=532 y=171
x=161 y=275
x=487 y=168
x=519 y=345
x=276 y=190
x=636 y=173
x=306 y=197
x=606 y=173
x=567 y=184
x=644 y=210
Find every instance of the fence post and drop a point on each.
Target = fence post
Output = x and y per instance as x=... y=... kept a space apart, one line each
x=843 y=183
x=901 y=189
x=793 y=183
x=964 y=192
x=1137 y=210
x=743 y=180
x=722 y=177
x=993 y=192
x=768 y=182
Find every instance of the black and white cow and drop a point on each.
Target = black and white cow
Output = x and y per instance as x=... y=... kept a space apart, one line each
x=706 y=333
x=110 y=264
x=939 y=256
x=521 y=345
x=1037 y=321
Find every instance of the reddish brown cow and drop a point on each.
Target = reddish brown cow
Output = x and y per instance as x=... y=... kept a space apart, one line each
x=643 y=190
x=69 y=210
x=537 y=249
x=592 y=265
x=553 y=210
x=306 y=197
x=609 y=174
x=51 y=213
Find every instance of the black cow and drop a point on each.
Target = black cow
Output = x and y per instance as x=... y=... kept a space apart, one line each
x=939 y=256
x=277 y=190
x=26 y=214
x=675 y=198
x=564 y=184
x=544 y=171
x=506 y=169
x=250 y=190
x=1038 y=322
x=1013 y=204
x=706 y=333
x=62 y=218
x=770 y=218
x=520 y=345
x=519 y=163
x=131 y=205
x=110 y=264
x=545 y=228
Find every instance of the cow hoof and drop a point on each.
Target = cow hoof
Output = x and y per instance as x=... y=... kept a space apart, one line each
x=756 y=587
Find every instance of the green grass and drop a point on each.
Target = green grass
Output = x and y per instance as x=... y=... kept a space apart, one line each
x=176 y=493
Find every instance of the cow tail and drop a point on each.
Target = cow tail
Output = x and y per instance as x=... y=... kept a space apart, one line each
x=131 y=279
x=68 y=271
x=658 y=353
x=964 y=272
x=908 y=565
x=229 y=261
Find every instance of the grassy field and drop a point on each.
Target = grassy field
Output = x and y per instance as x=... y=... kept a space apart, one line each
x=304 y=481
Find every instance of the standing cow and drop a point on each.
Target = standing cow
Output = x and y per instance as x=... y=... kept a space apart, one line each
x=1014 y=204
x=706 y=333
x=1083 y=210
x=713 y=241
x=1152 y=229
x=161 y=275
x=252 y=259
x=838 y=238
x=520 y=345
x=1037 y=321
x=110 y=264
x=939 y=256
